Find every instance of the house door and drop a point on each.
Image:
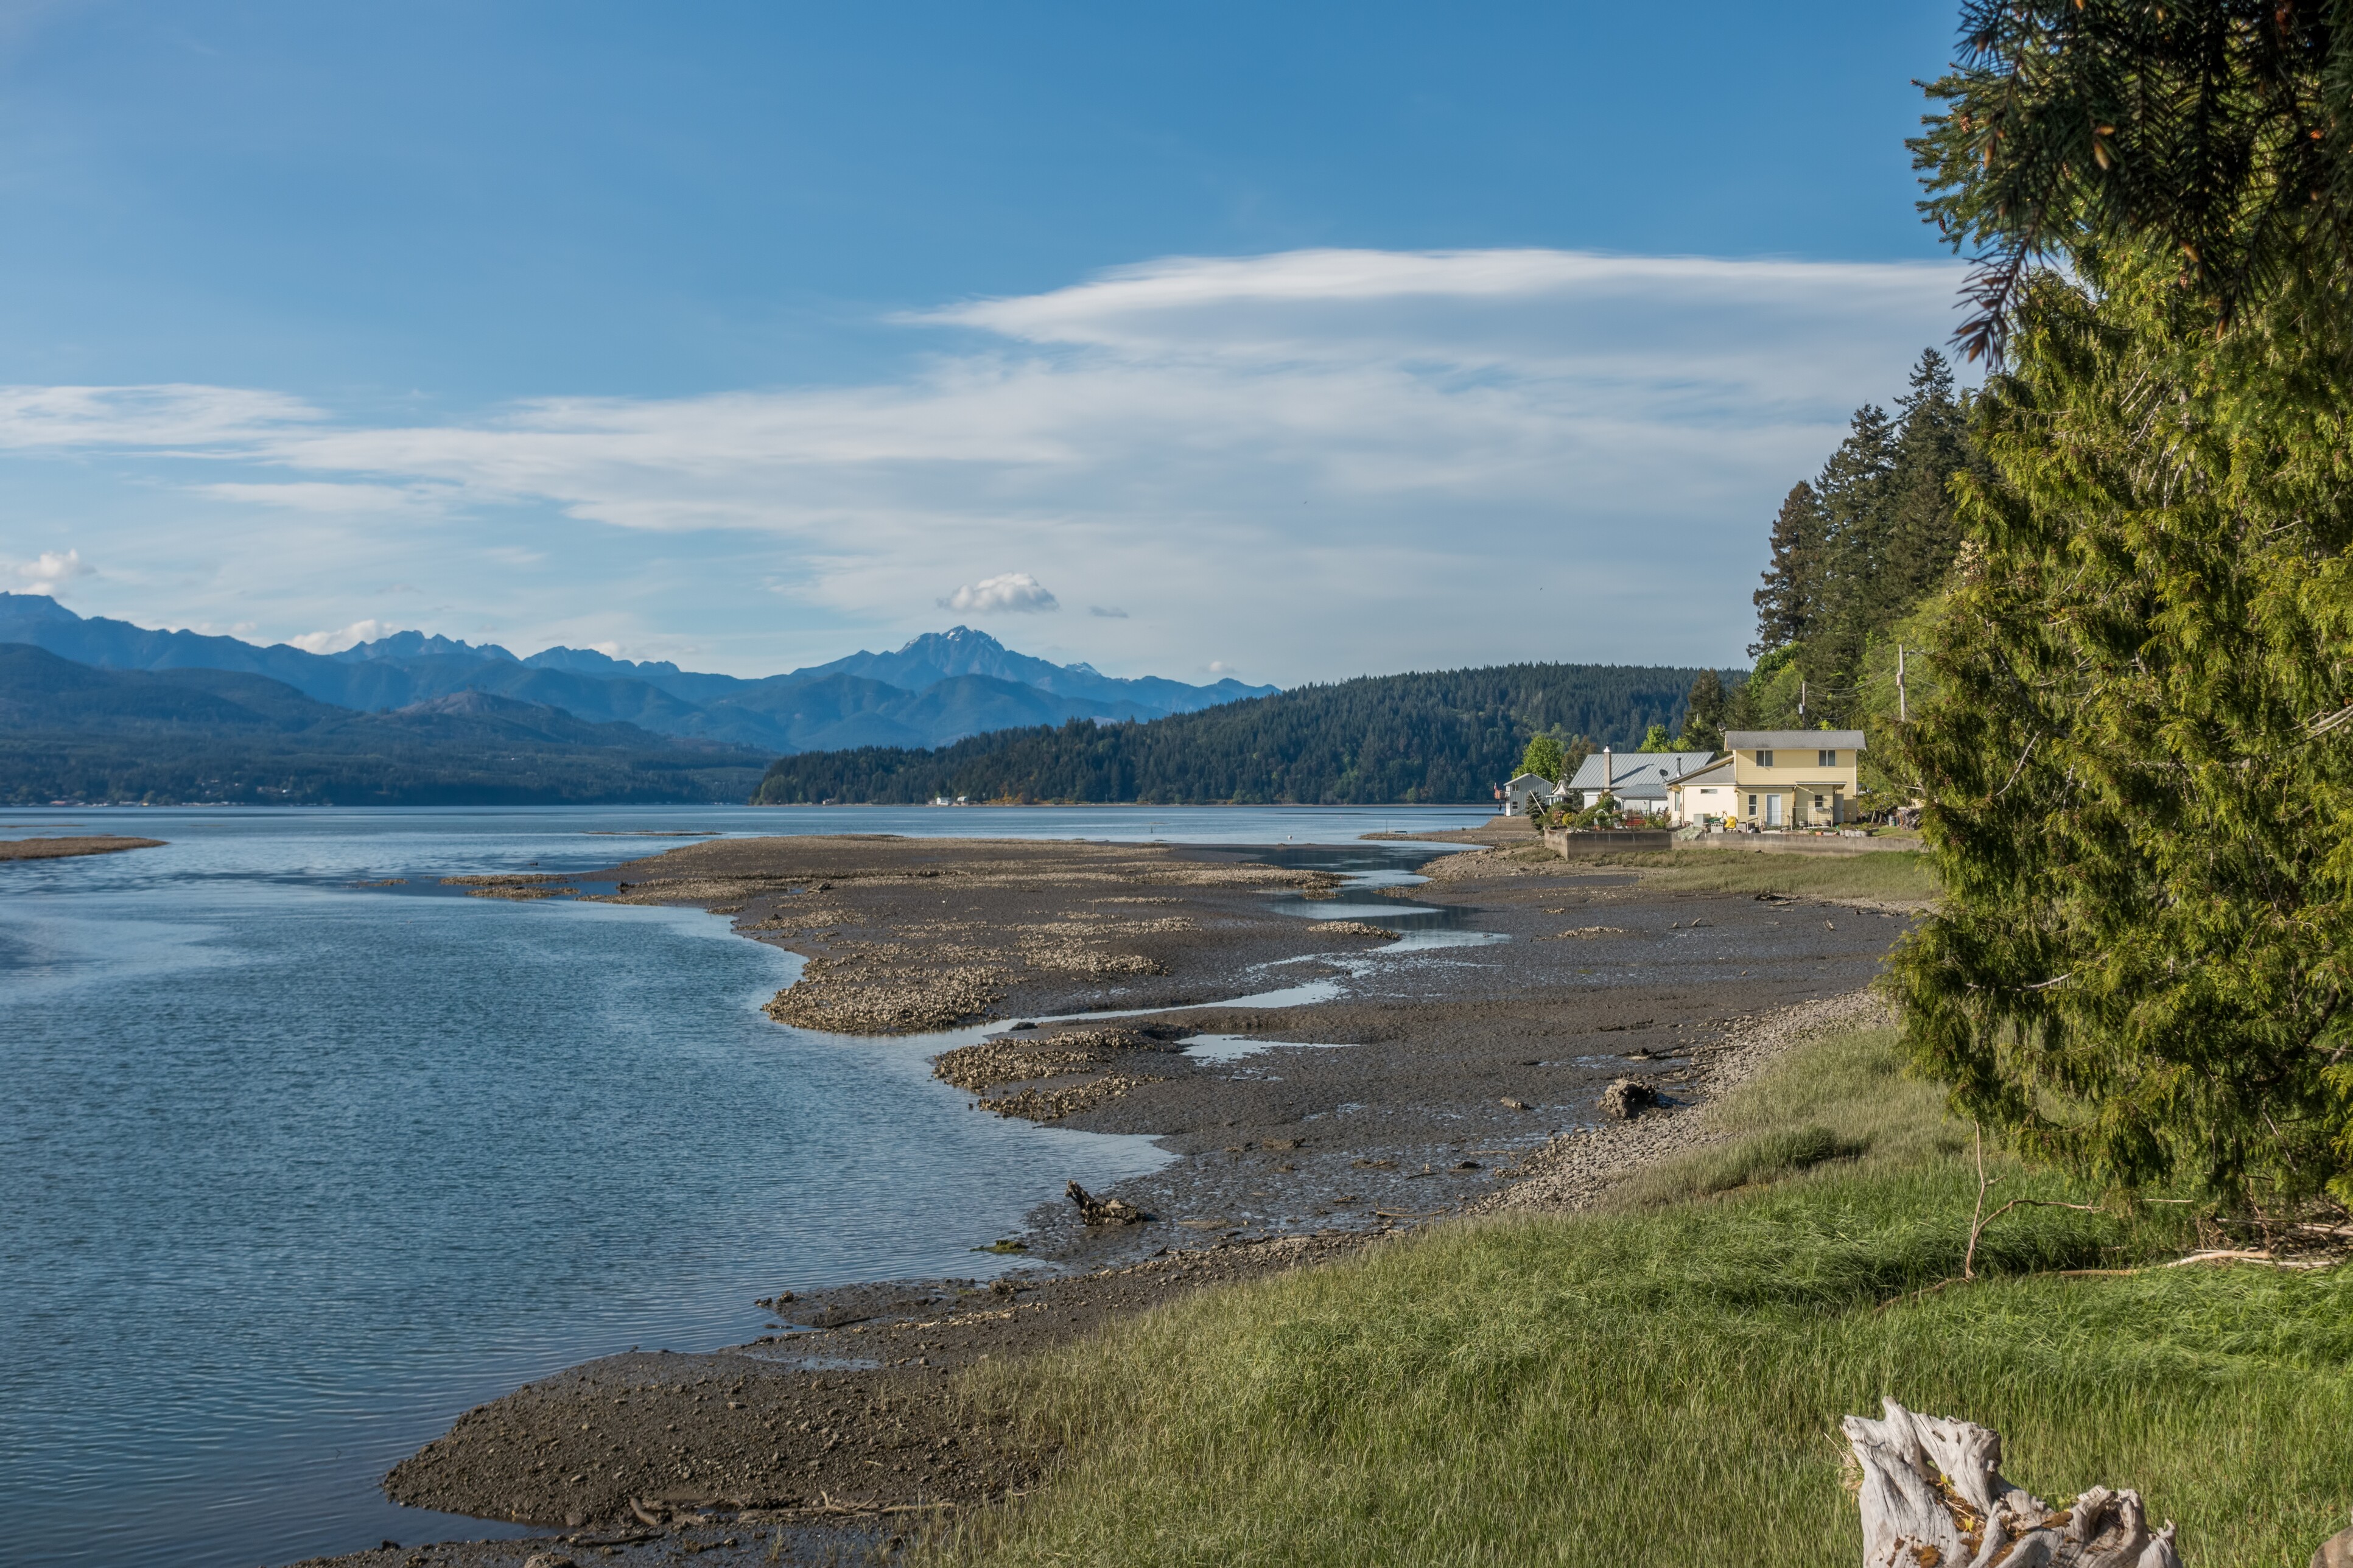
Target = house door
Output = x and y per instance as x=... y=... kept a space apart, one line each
x=1772 y=811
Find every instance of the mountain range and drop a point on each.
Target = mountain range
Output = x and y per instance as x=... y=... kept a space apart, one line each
x=937 y=689
x=74 y=733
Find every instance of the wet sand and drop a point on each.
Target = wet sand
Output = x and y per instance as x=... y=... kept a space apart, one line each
x=1440 y=1062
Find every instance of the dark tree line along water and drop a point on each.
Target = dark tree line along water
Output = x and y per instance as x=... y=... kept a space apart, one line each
x=1438 y=737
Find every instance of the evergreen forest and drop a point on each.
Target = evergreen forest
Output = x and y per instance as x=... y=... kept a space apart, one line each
x=1445 y=737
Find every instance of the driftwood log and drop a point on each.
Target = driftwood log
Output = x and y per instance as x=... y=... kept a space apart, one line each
x=1105 y=1211
x=1933 y=1497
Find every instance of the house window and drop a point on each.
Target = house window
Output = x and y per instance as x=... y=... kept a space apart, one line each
x=1826 y=760
x=1817 y=803
x=1764 y=759
x=1752 y=805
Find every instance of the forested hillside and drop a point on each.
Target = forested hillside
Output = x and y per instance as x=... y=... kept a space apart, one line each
x=1446 y=736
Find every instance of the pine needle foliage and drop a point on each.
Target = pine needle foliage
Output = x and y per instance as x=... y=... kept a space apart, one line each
x=2220 y=131
x=2138 y=761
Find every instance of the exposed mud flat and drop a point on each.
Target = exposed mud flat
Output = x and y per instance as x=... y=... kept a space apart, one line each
x=822 y=1443
x=904 y=935
x=66 y=849
x=1452 y=1063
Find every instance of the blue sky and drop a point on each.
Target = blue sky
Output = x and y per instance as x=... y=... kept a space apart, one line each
x=1291 y=342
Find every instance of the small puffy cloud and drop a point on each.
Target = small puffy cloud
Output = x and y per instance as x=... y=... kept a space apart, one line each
x=349 y=637
x=1013 y=593
x=49 y=570
x=1219 y=666
x=1107 y=612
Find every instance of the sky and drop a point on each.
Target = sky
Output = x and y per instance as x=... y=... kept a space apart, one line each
x=1291 y=342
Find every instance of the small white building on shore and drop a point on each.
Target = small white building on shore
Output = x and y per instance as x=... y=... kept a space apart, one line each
x=1708 y=795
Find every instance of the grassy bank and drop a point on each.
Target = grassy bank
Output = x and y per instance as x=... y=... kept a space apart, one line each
x=1661 y=1383
x=1901 y=876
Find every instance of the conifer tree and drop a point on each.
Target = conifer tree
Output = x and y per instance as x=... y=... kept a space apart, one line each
x=1857 y=487
x=2138 y=761
x=1703 y=714
x=1924 y=533
x=1788 y=603
x=2212 y=133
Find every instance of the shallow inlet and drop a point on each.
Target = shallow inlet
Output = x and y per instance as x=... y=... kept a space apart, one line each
x=293 y=1171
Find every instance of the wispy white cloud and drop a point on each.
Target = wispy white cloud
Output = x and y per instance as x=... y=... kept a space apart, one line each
x=166 y=418
x=316 y=496
x=1322 y=461
x=1107 y=612
x=1010 y=593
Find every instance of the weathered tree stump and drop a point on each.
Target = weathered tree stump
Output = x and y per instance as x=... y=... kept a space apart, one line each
x=1933 y=1497
x=1627 y=1098
x=1105 y=1211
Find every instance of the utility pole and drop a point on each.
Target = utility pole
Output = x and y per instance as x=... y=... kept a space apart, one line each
x=1801 y=696
x=1901 y=712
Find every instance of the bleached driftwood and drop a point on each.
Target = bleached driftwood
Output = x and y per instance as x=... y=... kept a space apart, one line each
x=1933 y=1497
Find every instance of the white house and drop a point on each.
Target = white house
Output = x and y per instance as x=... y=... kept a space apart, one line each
x=1709 y=792
x=1521 y=790
x=1637 y=780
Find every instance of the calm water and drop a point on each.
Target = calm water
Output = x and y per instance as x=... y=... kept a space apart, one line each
x=291 y=1171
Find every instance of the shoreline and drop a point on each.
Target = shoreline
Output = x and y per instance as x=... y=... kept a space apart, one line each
x=1451 y=1079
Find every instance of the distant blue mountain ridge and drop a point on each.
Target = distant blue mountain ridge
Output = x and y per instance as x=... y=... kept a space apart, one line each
x=937 y=689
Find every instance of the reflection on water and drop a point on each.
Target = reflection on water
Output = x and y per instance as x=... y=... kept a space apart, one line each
x=1371 y=867
x=293 y=1171
x=1234 y=1048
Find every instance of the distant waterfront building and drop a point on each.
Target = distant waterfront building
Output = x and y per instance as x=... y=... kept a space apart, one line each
x=1523 y=789
x=1796 y=778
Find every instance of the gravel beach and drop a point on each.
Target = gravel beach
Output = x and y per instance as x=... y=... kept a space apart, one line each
x=1425 y=1052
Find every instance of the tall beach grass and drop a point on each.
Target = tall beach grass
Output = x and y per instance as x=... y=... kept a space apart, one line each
x=1659 y=1382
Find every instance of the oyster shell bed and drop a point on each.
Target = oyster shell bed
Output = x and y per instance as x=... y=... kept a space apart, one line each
x=1052 y=1068
x=911 y=935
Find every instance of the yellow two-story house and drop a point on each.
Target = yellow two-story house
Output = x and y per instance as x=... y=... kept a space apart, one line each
x=1795 y=778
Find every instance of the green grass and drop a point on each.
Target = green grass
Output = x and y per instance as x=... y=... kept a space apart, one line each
x=1900 y=874
x=1662 y=1382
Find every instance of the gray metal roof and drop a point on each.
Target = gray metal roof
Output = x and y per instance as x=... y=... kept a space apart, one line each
x=1638 y=772
x=1795 y=739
